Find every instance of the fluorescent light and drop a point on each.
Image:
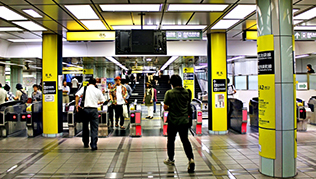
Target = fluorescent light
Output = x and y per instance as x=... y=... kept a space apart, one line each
x=307 y=14
x=94 y=25
x=9 y=15
x=25 y=40
x=181 y=27
x=301 y=56
x=224 y=24
x=171 y=60
x=82 y=11
x=148 y=59
x=113 y=60
x=297 y=21
x=305 y=28
x=32 y=13
x=30 y=25
x=199 y=67
x=240 y=12
x=196 y=7
x=7 y=29
x=72 y=65
x=128 y=27
x=235 y=58
x=131 y=7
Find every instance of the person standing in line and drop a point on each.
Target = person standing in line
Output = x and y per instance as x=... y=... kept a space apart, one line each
x=66 y=91
x=129 y=93
x=155 y=99
x=177 y=101
x=149 y=100
x=310 y=69
x=36 y=95
x=118 y=97
x=19 y=91
x=93 y=97
x=10 y=95
x=3 y=95
x=231 y=90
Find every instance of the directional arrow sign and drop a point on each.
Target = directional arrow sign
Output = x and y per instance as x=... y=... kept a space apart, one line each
x=302 y=86
x=297 y=35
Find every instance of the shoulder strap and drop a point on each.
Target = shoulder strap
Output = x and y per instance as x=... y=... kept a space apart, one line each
x=84 y=94
x=22 y=92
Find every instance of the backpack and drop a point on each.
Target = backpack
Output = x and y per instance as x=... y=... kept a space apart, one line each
x=24 y=98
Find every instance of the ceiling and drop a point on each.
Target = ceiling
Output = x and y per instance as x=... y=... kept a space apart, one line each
x=58 y=19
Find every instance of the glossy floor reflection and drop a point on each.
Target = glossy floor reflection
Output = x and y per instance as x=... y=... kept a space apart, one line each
x=226 y=156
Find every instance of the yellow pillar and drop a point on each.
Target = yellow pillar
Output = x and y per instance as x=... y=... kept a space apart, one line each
x=52 y=98
x=217 y=85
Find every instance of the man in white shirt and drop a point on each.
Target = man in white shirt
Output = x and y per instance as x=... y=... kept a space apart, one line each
x=74 y=83
x=66 y=91
x=92 y=98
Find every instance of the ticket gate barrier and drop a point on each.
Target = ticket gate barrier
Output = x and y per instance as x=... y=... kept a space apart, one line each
x=136 y=121
x=74 y=125
x=253 y=112
x=301 y=118
x=312 y=106
x=10 y=120
x=103 y=122
x=165 y=123
x=34 y=119
x=238 y=116
x=197 y=123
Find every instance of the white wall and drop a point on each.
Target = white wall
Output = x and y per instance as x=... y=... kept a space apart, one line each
x=3 y=47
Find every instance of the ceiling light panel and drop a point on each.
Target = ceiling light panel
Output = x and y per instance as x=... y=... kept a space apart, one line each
x=9 y=29
x=224 y=24
x=9 y=15
x=32 y=13
x=305 y=28
x=30 y=25
x=307 y=14
x=240 y=12
x=82 y=11
x=94 y=24
x=25 y=40
x=129 y=27
x=183 y=27
x=196 y=7
x=131 y=7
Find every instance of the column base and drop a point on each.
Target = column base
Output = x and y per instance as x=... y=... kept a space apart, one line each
x=52 y=135
x=218 y=132
x=267 y=168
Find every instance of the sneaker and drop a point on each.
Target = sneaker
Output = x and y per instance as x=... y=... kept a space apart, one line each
x=168 y=162
x=191 y=166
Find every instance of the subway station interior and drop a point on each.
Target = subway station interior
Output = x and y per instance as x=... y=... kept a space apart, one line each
x=248 y=64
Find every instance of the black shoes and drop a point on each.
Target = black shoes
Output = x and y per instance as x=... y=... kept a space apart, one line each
x=86 y=145
x=94 y=148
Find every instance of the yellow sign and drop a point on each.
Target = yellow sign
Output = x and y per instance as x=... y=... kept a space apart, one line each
x=266 y=101
x=189 y=84
x=85 y=83
x=188 y=70
x=91 y=36
x=251 y=35
x=88 y=71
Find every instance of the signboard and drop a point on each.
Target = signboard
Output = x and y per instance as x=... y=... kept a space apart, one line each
x=88 y=74
x=49 y=98
x=188 y=79
x=219 y=100
x=184 y=35
x=266 y=62
x=49 y=87
x=302 y=86
x=91 y=36
x=305 y=35
x=219 y=85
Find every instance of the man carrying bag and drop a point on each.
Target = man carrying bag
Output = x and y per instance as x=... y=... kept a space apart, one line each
x=92 y=97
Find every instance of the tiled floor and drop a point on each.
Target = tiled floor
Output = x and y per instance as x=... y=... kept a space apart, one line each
x=225 y=156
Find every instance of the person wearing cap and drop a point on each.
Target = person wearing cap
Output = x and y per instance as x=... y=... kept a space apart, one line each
x=3 y=95
x=19 y=91
x=118 y=97
x=10 y=95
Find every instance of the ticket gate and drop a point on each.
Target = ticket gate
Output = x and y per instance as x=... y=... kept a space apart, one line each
x=197 y=116
x=237 y=116
x=301 y=118
x=312 y=106
x=103 y=121
x=34 y=119
x=253 y=112
x=10 y=118
x=136 y=121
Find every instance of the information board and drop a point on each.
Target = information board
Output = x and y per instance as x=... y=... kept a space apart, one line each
x=219 y=85
x=49 y=87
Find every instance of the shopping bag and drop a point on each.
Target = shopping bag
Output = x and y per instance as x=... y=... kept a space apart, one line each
x=125 y=111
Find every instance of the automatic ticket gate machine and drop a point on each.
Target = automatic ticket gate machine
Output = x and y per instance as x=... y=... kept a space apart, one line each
x=103 y=121
x=164 y=119
x=34 y=119
x=136 y=121
x=237 y=116
x=302 y=119
x=197 y=116
x=10 y=118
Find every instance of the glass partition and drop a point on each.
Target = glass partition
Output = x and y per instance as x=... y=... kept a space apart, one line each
x=312 y=82
x=253 y=82
x=241 y=82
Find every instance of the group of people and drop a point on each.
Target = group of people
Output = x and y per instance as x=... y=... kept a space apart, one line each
x=177 y=102
x=7 y=95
